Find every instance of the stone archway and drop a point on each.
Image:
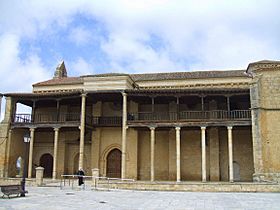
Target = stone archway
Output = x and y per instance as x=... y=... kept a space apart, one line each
x=46 y=161
x=113 y=166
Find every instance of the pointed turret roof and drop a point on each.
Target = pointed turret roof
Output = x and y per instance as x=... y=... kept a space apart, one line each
x=60 y=71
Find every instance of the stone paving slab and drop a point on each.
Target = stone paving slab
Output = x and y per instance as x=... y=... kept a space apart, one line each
x=54 y=198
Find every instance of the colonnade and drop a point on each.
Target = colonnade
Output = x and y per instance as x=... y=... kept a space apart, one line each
x=203 y=153
x=56 y=139
x=124 y=140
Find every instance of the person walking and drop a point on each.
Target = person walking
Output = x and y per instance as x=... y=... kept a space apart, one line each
x=81 y=174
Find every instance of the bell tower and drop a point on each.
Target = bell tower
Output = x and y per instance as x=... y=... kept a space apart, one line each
x=60 y=71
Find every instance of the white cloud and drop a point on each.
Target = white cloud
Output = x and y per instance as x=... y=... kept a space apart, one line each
x=193 y=34
x=80 y=67
x=18 y=74
x=80 y=36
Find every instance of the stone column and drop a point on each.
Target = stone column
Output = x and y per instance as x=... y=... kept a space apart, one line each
x=153 y=104
x=57 y=109
x=8 y=146
x=203 y=154
x=152 y=153
x=32 y=131
x=82 y=132
x=228 y=103
x=178 y=153
x=56 y=132
x=124 y=129
x=33 y=111
x=202 y=103
x=230 y=153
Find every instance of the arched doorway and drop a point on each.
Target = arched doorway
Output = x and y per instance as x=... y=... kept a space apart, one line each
x=46 y=161
x=114 y=164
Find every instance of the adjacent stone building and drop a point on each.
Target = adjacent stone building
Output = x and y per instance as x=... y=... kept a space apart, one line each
x=182 y=126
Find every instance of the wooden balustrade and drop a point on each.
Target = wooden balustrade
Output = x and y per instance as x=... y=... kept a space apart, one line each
x=107 y=121
x=134 y=117
x=191 y=115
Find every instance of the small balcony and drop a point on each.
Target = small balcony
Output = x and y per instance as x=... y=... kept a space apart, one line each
x=62 y=118
x=66 y=118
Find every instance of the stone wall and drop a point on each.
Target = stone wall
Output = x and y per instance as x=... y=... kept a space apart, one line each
x=265 y=99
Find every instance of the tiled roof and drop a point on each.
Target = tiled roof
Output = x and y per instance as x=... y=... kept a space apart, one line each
x=266 y=61
x=43 y=94
x=150 y=76
x=61 y=81
x=187 y=75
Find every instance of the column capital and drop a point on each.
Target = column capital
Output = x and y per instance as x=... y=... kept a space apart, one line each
x=203 y=127
x=177 y=128
x=32 y=129
x=56 y=128
x=152 y=127
x=229 y=127
x=84 y=94
x=124 y=94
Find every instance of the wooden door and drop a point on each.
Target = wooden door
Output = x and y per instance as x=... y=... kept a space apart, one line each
x=114 y=164
x=46 y=161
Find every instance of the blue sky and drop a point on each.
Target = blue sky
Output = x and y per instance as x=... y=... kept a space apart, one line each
x=132 y=36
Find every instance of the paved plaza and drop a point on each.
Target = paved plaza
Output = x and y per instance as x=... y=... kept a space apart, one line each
x=54 y=198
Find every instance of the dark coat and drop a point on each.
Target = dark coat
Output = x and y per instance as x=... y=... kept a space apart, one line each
x=80 y=174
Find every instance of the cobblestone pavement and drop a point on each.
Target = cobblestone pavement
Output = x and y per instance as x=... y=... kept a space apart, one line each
x=53 y=198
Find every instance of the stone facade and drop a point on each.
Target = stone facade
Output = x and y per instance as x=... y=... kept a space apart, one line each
x=201 y=126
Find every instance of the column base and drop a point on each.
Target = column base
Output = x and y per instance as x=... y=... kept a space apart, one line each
x=266 y=177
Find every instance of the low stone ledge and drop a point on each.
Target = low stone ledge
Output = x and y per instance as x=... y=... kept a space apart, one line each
x=195 y=187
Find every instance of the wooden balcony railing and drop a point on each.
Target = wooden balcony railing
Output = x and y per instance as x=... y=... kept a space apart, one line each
x=134 y=117
x=67 y=117
x=107 y=121
x=47 y=118
x=191 y=115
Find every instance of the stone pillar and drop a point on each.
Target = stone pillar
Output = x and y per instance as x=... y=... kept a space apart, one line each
x=33 y=111
x=95 y=175
x=153 y=104
x=228 y=103
x=32 y=130
x=39 y=175
x=202 y=103
x=203 y=154
x=178 y=154
x=56 y=132
x=124 y=129
x=230 y=153
x=152 y=153
x=57 y=109
x=82 y=132
x=8 y=153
